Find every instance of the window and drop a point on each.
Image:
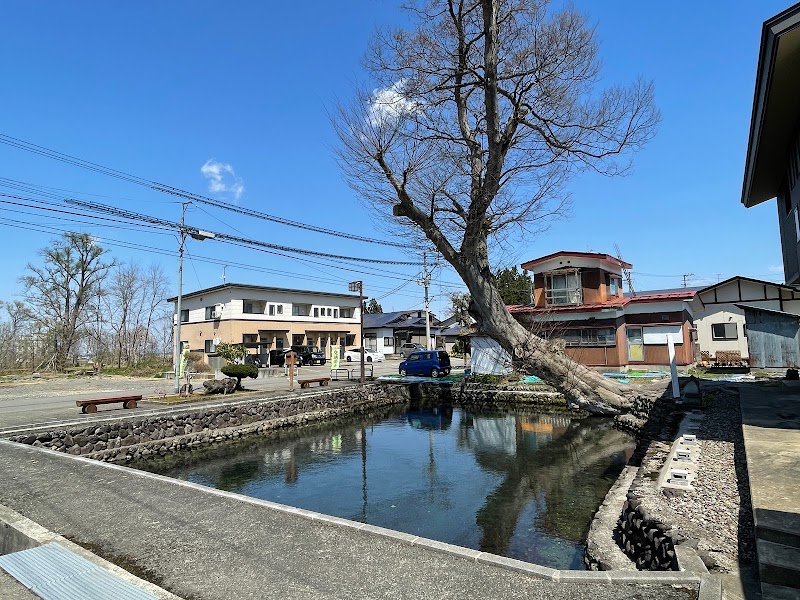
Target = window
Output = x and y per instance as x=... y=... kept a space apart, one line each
x=316 y=311
x=613 y=286
x=301 y=310
x=250 y=338
x=210 y=346
x=212 y=312
x=346 y=312
x=280 y=309
x=564 y=289
x=335 y=313
x=388 y=341
x=724 y=331
x=604 y=336
x=185 y=316
x=248 y=308
x=330 y=312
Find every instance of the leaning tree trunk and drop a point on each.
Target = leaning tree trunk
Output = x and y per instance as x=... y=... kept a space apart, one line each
x=581 y=386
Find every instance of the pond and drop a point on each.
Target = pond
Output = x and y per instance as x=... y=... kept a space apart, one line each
x=519 y=484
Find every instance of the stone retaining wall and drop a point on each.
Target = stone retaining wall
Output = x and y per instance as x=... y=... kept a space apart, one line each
x=496 y=397
x=132 y=438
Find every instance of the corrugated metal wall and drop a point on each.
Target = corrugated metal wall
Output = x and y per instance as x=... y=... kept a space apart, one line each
x=773 y=339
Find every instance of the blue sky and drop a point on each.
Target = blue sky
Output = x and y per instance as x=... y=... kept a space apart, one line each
x=160 y=89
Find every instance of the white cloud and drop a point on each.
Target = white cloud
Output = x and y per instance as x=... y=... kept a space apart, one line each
x=222 y=178
x=390 y=103
x=777 y=269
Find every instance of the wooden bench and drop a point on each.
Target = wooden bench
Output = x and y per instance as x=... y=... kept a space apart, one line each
x=304 y=383
x=90 y=406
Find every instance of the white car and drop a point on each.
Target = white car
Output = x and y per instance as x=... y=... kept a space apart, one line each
x=354 y=355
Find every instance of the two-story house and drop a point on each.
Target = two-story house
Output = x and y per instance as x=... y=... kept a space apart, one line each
x=577 y=297
x=265 y=318
x=387 y=332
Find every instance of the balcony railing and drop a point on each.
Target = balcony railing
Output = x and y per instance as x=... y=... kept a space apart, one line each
x=572 y=297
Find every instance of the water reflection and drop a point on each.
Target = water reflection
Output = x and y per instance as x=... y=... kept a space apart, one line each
x=523 y=485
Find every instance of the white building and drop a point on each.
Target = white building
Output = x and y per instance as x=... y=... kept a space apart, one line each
x=264 y=318
x=721 y=325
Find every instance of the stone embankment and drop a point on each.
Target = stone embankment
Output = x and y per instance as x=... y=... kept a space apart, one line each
x=133 y=438
x=660 y=529
x=494 y=397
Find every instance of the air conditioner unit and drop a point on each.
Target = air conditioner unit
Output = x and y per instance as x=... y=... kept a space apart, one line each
x=217 y=341
x=216 y=313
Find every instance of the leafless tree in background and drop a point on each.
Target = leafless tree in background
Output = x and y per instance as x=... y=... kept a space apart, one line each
x=59 y=292
x=479 y=116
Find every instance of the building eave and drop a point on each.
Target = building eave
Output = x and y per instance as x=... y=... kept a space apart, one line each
x=259 y=288
x=775 y=108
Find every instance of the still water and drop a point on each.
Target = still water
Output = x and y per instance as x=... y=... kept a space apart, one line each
x=522 y=485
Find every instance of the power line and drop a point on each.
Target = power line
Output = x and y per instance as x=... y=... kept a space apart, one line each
x=126 y=214
x=163 y=188
x=43 y=228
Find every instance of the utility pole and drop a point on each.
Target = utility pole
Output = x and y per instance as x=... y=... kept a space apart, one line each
x=686 y=276
x=199 y=235
x=181 y=242
x=425 y=283
x=358 y=286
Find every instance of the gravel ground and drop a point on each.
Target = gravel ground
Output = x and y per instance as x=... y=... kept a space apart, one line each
x=720 y=503
x=716 y=515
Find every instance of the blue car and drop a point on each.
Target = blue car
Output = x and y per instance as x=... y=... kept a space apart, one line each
x=427 y=363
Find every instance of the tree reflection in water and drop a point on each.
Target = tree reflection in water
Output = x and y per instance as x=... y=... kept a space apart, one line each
x=517 y=484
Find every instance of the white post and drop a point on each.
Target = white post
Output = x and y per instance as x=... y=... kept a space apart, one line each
x=676 y=388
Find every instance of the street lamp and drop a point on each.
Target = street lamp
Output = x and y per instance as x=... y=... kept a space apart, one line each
x=199 y=235
x=358 y=286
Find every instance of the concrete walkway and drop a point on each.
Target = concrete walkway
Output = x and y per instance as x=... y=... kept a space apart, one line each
x=771 y=427
x=207 y=544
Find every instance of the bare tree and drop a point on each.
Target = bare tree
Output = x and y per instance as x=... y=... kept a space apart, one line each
x=134 y=296
x=14 y=335
x=479 y=117
x=59 y=292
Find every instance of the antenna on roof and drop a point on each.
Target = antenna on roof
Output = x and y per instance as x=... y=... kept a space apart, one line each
x=625 y=271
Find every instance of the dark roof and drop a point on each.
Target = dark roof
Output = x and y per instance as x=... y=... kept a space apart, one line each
x=262 y=288
x=695 y=288
x=776 y=110
x=747 y=307
x=400 y=318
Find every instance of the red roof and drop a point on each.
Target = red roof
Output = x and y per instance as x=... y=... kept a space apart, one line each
x=613 y=303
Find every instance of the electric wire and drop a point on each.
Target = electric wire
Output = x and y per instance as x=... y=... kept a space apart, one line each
x=43 y=228
x=96 y=206
x=163 y=188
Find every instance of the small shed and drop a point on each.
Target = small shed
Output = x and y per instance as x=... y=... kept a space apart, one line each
x=773 y=338
x=488 y=357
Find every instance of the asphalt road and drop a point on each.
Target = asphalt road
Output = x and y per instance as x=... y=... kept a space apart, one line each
x=47 y=400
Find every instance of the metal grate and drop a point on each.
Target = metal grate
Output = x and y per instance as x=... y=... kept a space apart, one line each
x=54 y=573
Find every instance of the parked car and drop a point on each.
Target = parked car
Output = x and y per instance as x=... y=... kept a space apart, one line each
x=410 y=347
x=277 y=357
x=309 y=355
x=354 y=354
x=253 y=359
x=426 y=363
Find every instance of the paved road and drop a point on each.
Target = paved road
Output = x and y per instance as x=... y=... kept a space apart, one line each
x=49 y=401
x=207 y=544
